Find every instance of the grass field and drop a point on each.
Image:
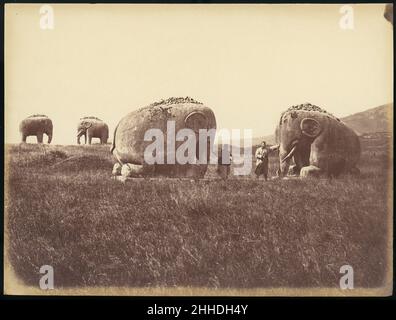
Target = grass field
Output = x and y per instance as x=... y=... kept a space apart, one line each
x=64 y=209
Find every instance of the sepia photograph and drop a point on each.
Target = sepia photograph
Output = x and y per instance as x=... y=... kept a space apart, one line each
x=198 y=150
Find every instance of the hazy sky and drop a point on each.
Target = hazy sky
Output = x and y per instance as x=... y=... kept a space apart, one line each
x=247 y=62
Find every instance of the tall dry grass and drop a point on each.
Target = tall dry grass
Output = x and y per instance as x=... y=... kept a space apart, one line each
x=64 y=209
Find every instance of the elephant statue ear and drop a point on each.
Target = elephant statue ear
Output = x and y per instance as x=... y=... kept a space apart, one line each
x=310 y=127
x=87 y=124
x=195 y=121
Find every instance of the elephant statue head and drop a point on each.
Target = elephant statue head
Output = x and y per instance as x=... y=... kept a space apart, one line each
x=129 y=143
x=36 y=125
x=92 y=127
x=316 y=141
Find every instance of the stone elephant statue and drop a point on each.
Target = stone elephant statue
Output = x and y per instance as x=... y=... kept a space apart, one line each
x=318 y=142
x=36 y=125
x=129 y=144
x=92 y=127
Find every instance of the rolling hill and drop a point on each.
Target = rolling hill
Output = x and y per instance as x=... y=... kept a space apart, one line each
x=377 y=119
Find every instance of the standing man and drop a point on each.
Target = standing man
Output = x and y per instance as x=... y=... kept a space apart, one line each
x=262 y=153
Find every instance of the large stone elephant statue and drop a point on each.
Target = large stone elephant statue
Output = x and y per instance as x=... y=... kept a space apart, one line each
x=129 y=143
x=318 y=142
x=92 y=127
x=36 y=125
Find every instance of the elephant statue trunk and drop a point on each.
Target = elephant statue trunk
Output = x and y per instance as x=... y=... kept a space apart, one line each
x=80 y=133
x=285 y=157
x=290 y=154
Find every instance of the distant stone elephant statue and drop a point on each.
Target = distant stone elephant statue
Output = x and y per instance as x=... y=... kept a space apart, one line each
x=319 y=143
x=36 y=125
x=92 y=127
x=129 y=143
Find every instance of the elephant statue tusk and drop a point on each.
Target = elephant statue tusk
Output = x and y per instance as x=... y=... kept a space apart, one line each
x=290 y=154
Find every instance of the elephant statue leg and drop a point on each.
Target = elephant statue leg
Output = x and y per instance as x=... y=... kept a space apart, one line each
x=294 y=170
x=130 y=170
x=24 y=136
x=310 y=171
x=40 y=137
x=89 y=139
x=117 y=169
